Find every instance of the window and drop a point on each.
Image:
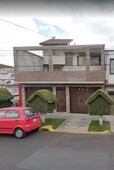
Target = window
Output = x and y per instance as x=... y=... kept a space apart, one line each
x=57 y=68
x=111 y=66
x=29 y=113
x=69 y=59
x=95 y=59
x=81 y=60
x=12 y=114
x=46 y=67
x=1 y=113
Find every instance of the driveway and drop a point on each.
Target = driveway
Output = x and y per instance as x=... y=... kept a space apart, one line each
x=78 y=123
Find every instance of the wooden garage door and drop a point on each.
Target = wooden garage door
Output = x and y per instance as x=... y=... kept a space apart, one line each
x=31 y=90
x=61 y=95
x=78 y=97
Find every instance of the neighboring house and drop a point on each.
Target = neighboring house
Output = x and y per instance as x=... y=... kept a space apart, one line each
x=7 y=80
x=71 y=72
x=109 y=64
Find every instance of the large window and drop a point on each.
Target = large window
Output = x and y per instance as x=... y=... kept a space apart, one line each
x=69 y=59
x=81 y=59
x=57 y=68
x=95 y=59
x=111 y=66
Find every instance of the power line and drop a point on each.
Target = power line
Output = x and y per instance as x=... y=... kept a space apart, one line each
x=17 y=25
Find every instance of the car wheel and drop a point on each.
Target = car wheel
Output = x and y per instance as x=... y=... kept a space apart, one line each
x=19 y=133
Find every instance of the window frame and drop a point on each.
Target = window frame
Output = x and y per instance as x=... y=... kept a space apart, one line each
x=111 y=59
x=94 y=56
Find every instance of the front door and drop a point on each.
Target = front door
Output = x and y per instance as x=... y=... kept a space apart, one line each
x=61 y=96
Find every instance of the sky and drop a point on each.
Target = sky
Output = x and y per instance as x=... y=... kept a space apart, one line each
x=27 y=23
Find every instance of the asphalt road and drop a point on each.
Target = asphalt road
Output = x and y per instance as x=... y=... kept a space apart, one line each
x=57 y=151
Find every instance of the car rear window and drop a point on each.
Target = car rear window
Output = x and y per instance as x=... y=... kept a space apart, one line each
x=29 y=113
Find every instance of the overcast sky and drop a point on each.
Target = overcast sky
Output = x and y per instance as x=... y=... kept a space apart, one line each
x=26 y=23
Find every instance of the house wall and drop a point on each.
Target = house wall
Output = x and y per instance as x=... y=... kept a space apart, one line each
x=109 y=54
x=26 y=61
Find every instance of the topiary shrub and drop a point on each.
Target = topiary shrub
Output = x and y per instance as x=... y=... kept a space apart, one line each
x=5 y=98
x=99 y=103
x=42 y=101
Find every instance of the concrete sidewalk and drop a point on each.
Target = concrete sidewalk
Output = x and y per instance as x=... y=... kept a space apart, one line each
x=78 y=123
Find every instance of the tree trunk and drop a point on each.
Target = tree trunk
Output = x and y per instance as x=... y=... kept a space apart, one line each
x=100 y=120
x=43 y=118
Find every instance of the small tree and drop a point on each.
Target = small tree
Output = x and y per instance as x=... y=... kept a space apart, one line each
x=42 y=101
x=5 y=98
x=99 y=103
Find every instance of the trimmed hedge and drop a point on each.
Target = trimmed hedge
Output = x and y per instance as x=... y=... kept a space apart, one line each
x=99 y=103
x=5 y=98
x=42 y=101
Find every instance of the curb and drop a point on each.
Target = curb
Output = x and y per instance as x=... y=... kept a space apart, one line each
x=50 y=129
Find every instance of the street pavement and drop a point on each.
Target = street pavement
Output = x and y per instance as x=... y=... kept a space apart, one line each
x=78 y=123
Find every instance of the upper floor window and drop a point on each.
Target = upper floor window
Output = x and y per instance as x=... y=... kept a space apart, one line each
x=95 y=59
x=111 y=66
x=81 y=59
x=69 y=59
x=57 y=68
x=46 y=67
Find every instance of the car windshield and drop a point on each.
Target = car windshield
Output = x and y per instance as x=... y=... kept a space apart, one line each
x=29 y=113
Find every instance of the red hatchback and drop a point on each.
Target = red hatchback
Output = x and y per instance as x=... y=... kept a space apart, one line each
x=18 y=121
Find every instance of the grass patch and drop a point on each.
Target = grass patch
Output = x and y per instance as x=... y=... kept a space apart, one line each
x=94 y=126
x=54 y=122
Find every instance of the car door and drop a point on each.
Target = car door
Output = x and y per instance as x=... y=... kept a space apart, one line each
x=2 y=112
x=10 y=121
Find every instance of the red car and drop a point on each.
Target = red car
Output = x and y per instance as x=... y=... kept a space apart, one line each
x=18 y=121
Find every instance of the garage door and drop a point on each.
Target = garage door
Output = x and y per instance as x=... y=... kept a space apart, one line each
x=78 y=97
x=31 y=90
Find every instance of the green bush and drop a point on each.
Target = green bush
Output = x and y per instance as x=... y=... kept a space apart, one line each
x=99 y=103
x=5 y=98
x=99 y=107
x=42 y=101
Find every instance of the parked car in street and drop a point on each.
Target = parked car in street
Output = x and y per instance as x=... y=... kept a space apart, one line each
x=18 y=121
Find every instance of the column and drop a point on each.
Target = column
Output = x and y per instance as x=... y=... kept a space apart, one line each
x=50 y=60
x=87 y=59
x=54 y=92
x=67 y=100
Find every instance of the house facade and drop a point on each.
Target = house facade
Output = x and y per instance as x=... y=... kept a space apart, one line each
x=109 y=64
x=7 y=81
x=71 y=72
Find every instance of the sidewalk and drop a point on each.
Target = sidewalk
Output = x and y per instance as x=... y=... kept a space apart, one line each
x=78 y=123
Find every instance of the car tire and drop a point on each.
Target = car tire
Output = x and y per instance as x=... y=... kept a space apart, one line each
x=19 y=133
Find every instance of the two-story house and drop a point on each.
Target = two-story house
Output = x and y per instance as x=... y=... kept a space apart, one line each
x=71 y=72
